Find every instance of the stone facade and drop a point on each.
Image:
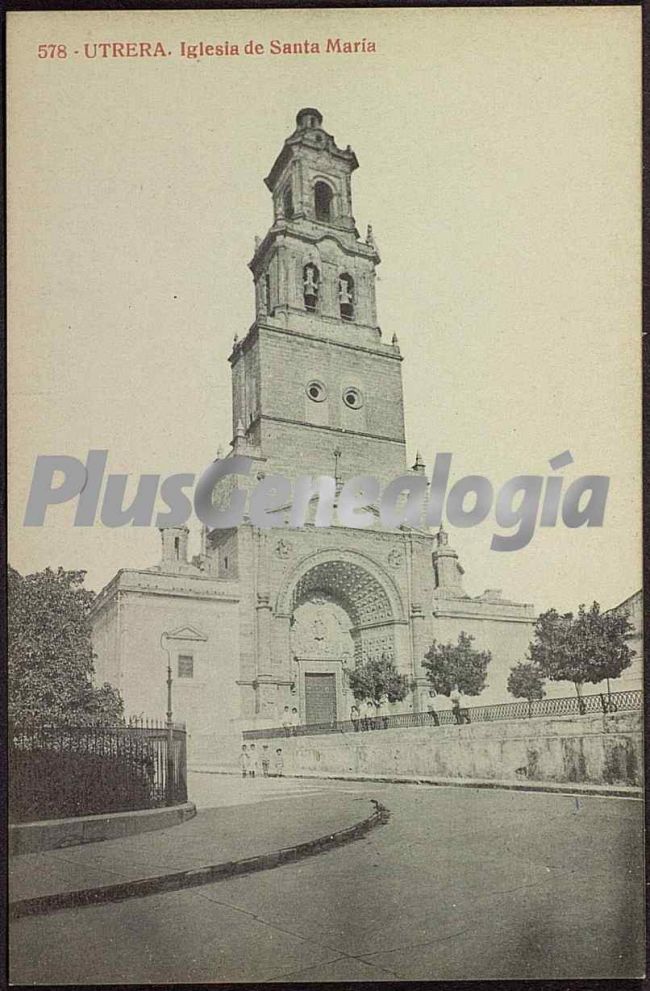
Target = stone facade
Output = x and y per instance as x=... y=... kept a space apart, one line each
x=264 y=618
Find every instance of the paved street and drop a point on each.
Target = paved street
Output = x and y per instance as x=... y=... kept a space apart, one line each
x=462 y=883
x=249 y=821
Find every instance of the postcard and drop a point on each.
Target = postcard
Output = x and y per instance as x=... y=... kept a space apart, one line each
x=324 y=440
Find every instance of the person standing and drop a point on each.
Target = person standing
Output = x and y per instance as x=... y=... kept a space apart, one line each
x=433 y=715
x=382 y=711
x=455 y=697
x=253 y=765
x=266 y=760
x=355 y=715
x=244 y=760
x=278 y=763
x=371 y=712
x=295 y=721
x=286 y=721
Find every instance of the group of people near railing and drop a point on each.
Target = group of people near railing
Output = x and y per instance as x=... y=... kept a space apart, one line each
x=370 y=714
x=460 y=715
x=290 y=720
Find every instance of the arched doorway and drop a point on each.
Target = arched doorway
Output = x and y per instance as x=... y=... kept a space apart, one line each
x=340 y=615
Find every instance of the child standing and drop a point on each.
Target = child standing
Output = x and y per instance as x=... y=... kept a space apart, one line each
x=243 y=760
x=279 y=763
x=252 y=766
x=266 y=760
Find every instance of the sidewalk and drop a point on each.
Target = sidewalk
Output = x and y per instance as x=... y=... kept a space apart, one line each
x=522 y=784
x=218 y=839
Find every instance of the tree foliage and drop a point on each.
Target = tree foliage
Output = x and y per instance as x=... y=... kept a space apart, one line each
x=50 y=663
x=376 y=678
x=526 y=682
x=588 y=647
x=449 y=664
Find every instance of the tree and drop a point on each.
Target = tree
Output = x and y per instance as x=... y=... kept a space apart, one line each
x=50 y=664
x=525 y=681
x=589 y=647
x=459 y=664
x=378 y=677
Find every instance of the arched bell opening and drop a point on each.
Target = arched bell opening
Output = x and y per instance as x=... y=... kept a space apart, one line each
x=323 y=201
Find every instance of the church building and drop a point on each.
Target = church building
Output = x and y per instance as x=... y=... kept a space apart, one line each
x=263 y=618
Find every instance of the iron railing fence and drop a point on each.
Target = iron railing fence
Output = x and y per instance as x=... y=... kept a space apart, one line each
x=570 y=706
x=59 y=769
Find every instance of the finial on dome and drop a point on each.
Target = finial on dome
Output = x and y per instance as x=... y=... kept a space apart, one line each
x=394 y=340
x=370 y=239
x=309 y=117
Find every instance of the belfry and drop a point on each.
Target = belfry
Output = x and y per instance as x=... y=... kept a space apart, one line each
x=313 y=375
x=267 y=617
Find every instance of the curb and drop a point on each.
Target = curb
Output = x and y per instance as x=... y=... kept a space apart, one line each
x=57 y=834
x=549 y=787
x=45 y=904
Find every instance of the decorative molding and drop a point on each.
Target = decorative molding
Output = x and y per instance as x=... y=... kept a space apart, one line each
x=187 y=633
x=485 y=616
x=283 y=549
x=382 y=350
x=339 y=556
x=331 y=430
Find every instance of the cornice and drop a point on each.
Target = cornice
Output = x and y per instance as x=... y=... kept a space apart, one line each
x=381 y=350
x=145 y=582
x=333 y=430
x=294 y=141
x=312 y=233
x=515 y=612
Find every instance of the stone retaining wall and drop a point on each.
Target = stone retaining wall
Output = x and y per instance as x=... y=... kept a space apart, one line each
x=595 y=749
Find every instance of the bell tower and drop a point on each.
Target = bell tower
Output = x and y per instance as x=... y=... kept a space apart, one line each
x=314 y=375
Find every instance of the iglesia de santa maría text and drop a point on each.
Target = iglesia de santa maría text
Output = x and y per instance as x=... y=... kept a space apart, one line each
x=262 y=618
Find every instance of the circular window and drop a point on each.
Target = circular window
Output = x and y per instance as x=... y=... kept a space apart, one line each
x=316 y=391
x=352 y=398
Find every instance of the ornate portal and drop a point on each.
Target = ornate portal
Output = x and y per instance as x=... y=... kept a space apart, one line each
x=321 y=629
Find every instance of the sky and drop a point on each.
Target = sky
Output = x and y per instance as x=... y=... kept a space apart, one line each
x=499 y=155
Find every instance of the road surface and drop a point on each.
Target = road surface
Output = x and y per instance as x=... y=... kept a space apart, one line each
x=461 y=884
